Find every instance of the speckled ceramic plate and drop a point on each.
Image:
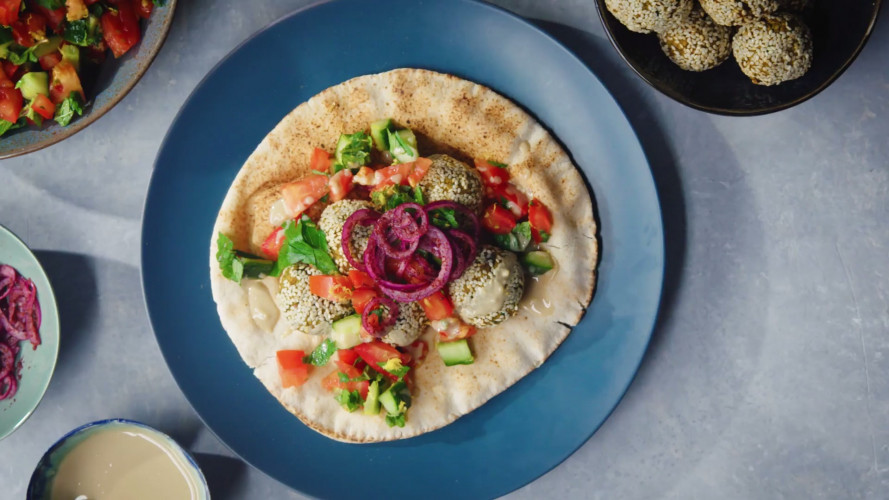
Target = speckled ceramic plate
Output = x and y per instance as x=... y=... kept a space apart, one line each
x=524 y=431
x=115 y=79
x=839 y=30
x=37 y=364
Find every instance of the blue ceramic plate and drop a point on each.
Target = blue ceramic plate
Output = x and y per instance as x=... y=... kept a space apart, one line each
x=529 y=428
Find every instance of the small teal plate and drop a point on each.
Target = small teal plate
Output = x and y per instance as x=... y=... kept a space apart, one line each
x=37 y=364
x=526 y=430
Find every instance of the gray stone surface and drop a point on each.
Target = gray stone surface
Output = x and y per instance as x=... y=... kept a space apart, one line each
x=768 y=374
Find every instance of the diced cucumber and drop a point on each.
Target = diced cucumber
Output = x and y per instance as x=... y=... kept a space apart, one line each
x=379 y=131
x=33 y=83
x=403 y=145
x=372 y=403
x=51 y=45
x=455 y=353
x=353 y=150
x=71 y=53
x=389 y=402
x=347 y=331
x=538 y=262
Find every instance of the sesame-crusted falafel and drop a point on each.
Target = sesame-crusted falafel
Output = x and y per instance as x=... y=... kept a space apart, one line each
x=490 y=289
x=645 y=16
x=409 y=325
x=451 y=179
x=331 y=222
x=305 y=311
x=774 y=49
x=738 y=12
x=698 y=44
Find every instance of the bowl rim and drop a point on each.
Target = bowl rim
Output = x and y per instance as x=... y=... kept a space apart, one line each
x=85 y=121
x=49 y=308
x=33 y=482
x=603 y=12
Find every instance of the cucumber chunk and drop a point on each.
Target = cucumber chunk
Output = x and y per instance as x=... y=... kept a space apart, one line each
x=538 y=262
x=379 y=132
x=389 y=402
x=33 y=83
x=403 y=145
x=455 y=353
x=372 y=403
x=347 y=331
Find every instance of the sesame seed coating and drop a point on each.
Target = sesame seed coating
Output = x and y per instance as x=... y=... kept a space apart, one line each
x=453 y=180
x=492 y=266
x=645 y=16
x=305 y=311
x=698 y=44
x=409 y=325
x=774 y=49
x=331 y=222
x=738 y=12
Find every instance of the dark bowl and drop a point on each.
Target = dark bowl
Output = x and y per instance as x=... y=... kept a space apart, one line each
x=840 y=28
x=113 y=81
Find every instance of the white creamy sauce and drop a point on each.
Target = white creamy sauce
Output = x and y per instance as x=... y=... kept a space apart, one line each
x=278 y=213
x=262 y=307
x=534 y=301
x=491 y=297
x=125 y=461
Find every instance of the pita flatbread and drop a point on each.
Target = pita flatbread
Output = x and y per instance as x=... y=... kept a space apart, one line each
x=451 y=115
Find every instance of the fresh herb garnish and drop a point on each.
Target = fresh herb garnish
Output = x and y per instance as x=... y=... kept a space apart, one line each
x=51 y=4
x=159 y=3
x=83 y=32
x=516 y=240
x=392 y=196
x=350 y=400
x=395 y=420
x=21 y=57
x=321 y=354
x=445 y=218
x=318 y=172
x=353 y=150
x=498 y=164
x=395 y=367
x=5 y=126
x=29 y=114
x=418 y=196
x=65 y=111
x=345 y=378
x=236 y=265
x=304 y=242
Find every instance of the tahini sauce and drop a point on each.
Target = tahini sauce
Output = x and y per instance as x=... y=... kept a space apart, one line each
x=124 y=461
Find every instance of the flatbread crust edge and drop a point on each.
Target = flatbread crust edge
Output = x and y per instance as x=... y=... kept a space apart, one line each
x=479 y=123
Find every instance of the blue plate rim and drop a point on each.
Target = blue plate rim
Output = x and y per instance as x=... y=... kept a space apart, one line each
x=528 y=24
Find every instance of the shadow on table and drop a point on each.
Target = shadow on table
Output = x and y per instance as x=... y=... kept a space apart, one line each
x=73 y=280
x=654 y=143
x=222 y=474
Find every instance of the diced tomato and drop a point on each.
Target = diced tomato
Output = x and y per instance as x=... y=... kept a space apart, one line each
x=21 y=35
x=9 y=11
x=143 y=8
x=361 y=278
x=402 y=174
x=541 y=220
x=29 y=29
x=419 y=349
x=300 y=195
x=335 y=288
x=453 y=328
x=121 y=29
x=320 y=160
x=10 y=70
x=5 y=81
x=49 y=61
x=291 y=368
x=340 y=184
x=492 y=175
x=11 y=102
x=64 y=82
x=509 y=197
x=95 y=54
x=43 y=106
x=272 y=245
x=437 y=306
x=332 y=382
x=350 y=370
x=361 y=297
x=347 y=356
x=377 y=353
x=498 y=220
x=90 y=2
x=54 y=18
x=364 y=177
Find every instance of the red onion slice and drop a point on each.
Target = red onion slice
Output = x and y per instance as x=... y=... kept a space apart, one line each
x=379 y=330
x=365 y=217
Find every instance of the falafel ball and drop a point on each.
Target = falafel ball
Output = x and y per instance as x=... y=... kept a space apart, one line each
x=451 y=179
x=305 y=311
x=645 y=16
x=331 y=222
x=774 y=49
x=409 y=325
x=490 y=289
x=698 y=44
x=738 y=12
